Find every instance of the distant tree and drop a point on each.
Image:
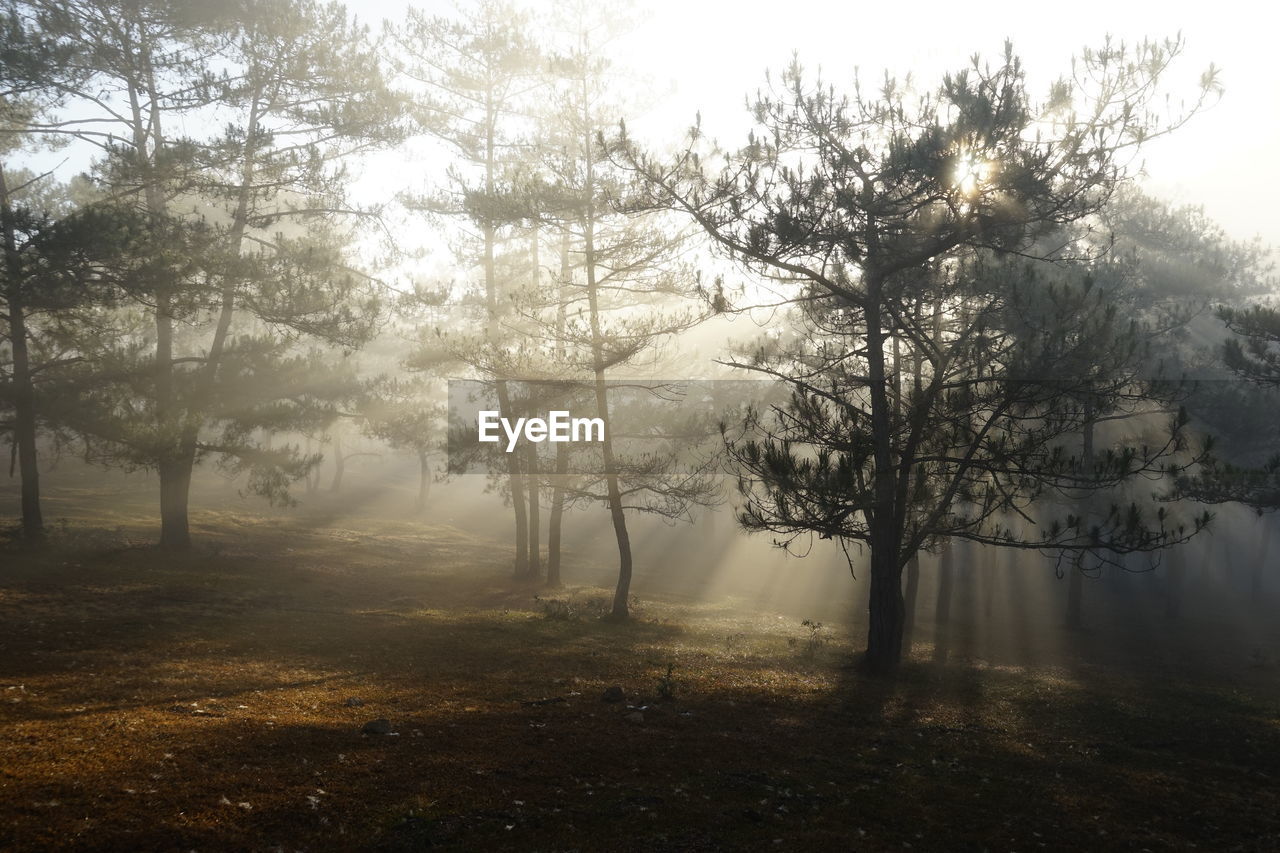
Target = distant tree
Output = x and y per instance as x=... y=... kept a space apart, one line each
x=1255 y=354
x=401 y=413
x=33 y=72
x=1180 y=262
x=1238 y=385
x=60 y=261
x=612 y=311
x=869 y=202
x=1242 y=416
x=470 y=76
x=1160 y=265
x=1241 y=413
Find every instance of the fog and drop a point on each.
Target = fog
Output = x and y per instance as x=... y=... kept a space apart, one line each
x=666 y=65
x=883 y=370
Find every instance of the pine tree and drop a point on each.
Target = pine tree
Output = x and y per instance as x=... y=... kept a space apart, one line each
x=470 y=76
x=246 y=250
x=869 y=202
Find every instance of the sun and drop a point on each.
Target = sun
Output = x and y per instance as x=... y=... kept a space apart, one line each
x=971 y=172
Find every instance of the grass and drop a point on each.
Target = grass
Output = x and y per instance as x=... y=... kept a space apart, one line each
x=215 y=702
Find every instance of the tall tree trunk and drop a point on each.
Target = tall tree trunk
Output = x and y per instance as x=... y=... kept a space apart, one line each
x=562 y=453
x=24 y=398
x=521 y=567
x=313 y=473
x=174 y=468
x=1075 y=598
x=174 y=459
x=887 y=611
x=911 y=593
x=175 y=494
x=175 y=473
x=622 y=593
x=557 y=515
x=946 y=582
x=533 y=483
x=339 y=463
x=942 y=606
x=24 y=424
x=917 y=382
x=424 y=481
x=1176 y=563
x=990 y=581
x=175 y=485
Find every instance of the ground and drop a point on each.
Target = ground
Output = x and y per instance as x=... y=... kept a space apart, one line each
x=216 y=702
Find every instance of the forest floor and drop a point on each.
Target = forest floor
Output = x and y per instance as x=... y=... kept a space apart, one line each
x=216 y=702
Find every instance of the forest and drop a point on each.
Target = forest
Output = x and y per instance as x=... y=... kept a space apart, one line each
x=513 y=426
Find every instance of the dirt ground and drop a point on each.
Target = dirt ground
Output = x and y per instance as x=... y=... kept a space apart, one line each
x=216 y=701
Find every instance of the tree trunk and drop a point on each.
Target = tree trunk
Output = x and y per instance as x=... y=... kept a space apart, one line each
x=911 y=593
x=175 y=491
x=942 y=607
x=887 y=613
x=1075 y=598
x=174 y=467
x=946 y=581
x=521 y=567
x=886 y=607
x=424 y=482
x=562 y=454
x=23 y=398
x=494 y=333
x=917 y=381
x=622 y=594
x=177 y=438
x=313 y=473
x=1176 y=563
x=990 y=580
x=557 y=516
x=533 y=484
x=339 y=463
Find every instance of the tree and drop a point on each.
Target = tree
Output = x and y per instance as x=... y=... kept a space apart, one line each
x=616 y=314
x=33 y=72
x=246 y=233
x=874 y=204
x=60 y=259
x=1243 y=418
x=1235 y=397
x=1170 y=263
x=470 y=76
x=1257 y=356
x=399 y=412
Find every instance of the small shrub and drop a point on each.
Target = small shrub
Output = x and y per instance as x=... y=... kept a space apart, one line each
x=812 y=642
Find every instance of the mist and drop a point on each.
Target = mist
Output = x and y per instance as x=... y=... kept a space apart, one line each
x=648 y=426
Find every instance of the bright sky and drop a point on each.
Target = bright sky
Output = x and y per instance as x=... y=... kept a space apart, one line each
x=707 y=54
